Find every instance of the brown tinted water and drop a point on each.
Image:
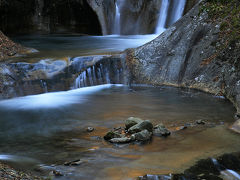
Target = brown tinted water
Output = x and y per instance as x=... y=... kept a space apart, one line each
x=42 y=132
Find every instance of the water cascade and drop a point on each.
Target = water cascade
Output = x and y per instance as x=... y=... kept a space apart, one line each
x=162 y=17
x=179 y=10
x=117 y=25
x=105 y=72
x=138 y=18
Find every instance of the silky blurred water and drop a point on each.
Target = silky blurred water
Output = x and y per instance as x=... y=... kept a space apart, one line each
x=48 y=129
x=62 y=46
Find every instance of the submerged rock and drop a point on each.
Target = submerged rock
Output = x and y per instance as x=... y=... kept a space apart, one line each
x=111 y=134
x=141 y=126
x=161 y=130
x=73 y=163
x=120 y=140
x=144 y=135
x=55 y=173
x=132 y=121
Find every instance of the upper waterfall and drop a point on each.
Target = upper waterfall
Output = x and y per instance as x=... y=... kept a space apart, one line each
x=144 y=17
x=162 y=17
x=117 y=26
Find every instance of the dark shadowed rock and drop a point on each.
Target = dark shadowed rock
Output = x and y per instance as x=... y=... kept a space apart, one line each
x=144 y=135
x=161 y=130
x=200 y=122
x=111 y=135
x=120 y=140
x=132 y=121
x=141 y=126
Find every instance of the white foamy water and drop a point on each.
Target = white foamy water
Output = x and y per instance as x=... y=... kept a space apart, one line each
x=52 y=100
x=162 y=17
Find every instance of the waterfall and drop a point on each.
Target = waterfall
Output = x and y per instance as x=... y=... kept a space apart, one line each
x=162 y=18
x=117 y=25
x=106 y=72
x=179 y=11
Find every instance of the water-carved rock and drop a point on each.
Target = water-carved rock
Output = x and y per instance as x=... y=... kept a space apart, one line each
x=144 y=135
x=141 y=126
x=132 y=121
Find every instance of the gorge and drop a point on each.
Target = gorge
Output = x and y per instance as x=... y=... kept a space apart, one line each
x=112 y=60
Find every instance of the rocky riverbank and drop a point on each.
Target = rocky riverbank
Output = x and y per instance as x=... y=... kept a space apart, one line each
x=226 y=166
x=200 y=51
x=8 y=173
x=9 y=49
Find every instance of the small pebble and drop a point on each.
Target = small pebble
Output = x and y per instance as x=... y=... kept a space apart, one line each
x=90 y=129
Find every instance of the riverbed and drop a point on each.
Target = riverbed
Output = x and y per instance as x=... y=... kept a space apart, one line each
x=41 y=132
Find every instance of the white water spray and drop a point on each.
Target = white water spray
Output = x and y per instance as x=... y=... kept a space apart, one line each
x=117 y=25
x=162 y=17
x=179 y=11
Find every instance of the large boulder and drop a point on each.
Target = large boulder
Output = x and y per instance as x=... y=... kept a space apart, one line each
x=197 y=52
x=144 y=135
x=132 y=121
x=141 y=126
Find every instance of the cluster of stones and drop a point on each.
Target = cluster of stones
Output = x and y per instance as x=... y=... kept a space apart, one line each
x=136 y=129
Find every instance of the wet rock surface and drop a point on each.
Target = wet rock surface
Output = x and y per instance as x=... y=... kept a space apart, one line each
x=226 y=166
x=20 y=78
x=186 y=55
x=161 y=130
x=7 y=173
x=136 y=130
x=10 y=49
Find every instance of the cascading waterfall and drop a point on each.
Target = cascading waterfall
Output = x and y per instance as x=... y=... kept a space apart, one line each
x=102 y=73
x=117 y=25
x=162 y=17
x=179 y=11
x=166 y=16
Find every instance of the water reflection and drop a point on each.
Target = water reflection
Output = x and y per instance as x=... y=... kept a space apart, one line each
x=51 y=128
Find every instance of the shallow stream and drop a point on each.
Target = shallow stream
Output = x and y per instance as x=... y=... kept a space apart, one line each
x=39 y=133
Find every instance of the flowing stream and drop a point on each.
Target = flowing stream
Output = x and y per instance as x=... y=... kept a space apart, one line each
x=39 y=133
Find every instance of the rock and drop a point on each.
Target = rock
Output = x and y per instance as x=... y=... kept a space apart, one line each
x=161 y=130
x=141 y=126
x=73 y=163
x=90 y=129
x=144 y=135
x=200 y=122
x=236 y=126
x=55 y=173
x=120 y=140
x=132 y=121
x=111 y=135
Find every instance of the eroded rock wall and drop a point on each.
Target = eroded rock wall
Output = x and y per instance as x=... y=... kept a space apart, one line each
x=186 y=55
x=48 y=16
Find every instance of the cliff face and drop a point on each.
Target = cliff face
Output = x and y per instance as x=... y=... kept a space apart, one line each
x=196 y=52
x=49 y=16
x=82 y=16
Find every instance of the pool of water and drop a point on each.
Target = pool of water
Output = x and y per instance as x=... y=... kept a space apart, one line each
x=62 y=46
x=40 y=132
